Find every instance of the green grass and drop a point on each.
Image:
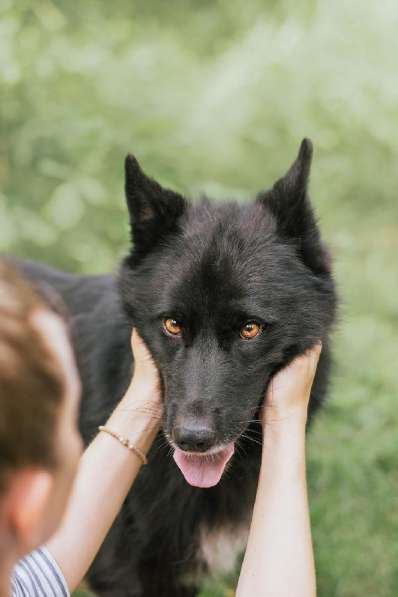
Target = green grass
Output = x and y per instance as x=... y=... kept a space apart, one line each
x=216 y=96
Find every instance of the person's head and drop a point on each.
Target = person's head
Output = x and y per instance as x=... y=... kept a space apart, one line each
x=39 y=395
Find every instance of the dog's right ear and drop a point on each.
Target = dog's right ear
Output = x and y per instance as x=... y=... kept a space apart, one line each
x=153 y=210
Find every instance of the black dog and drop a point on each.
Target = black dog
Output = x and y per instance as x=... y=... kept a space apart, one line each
x=224 y=295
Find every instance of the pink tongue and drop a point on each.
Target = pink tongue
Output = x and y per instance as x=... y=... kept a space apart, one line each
x=203 y=471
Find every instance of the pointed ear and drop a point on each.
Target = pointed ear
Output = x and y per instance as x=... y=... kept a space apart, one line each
x=289 y=203
x=153 y=210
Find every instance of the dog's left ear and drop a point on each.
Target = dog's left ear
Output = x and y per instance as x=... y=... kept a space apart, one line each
x=289 y=203
x=153 y=209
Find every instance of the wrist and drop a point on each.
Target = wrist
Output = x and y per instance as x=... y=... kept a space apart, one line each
x=138 y=427
x=143 y=398
x=283 y=452
x=143 y=386
x=285 y=431
x=138 y=415
x=279 y=417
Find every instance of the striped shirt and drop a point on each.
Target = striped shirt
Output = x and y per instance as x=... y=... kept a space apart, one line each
x=38 y=575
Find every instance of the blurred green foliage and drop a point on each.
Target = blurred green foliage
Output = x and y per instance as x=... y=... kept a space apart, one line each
x=216 y=96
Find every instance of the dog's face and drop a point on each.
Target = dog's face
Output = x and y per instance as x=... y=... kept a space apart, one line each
x=223 y=295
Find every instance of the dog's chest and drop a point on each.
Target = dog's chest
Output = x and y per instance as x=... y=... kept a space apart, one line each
x=219 y=548
x=217 y=553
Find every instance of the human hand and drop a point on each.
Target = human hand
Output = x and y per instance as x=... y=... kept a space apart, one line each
x=289 y=390
x=145 y=371
x=144 y=388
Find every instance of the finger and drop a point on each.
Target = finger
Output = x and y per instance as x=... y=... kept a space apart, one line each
x=312 y=356
x=140 y=350
x=307 y=361
x=300 y=371
x=142 y=357
x=316 y=349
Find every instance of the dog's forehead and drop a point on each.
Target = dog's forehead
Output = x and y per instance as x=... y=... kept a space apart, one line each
x=227 y=239
x=223 y=217
x=222 y=258
x=203 y=279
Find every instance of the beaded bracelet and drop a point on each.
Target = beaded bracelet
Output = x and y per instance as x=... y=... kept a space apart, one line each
x=125 y=442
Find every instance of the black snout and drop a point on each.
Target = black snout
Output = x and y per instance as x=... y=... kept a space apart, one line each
x=194 y=436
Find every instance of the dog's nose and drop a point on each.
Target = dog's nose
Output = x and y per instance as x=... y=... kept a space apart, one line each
x=194 y=436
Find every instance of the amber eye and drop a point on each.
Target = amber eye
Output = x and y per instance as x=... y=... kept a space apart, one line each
x=172 y=326
x=250 y=330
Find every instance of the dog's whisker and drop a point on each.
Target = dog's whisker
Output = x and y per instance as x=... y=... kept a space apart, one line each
x=162 y=445
x=241 y=452
x=252 y=439
x=247 y=421
x=250 y=431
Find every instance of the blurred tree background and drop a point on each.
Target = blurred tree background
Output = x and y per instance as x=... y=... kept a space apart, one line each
x=216 y=96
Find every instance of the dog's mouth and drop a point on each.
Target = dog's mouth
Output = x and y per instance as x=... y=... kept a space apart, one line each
x=204 y=469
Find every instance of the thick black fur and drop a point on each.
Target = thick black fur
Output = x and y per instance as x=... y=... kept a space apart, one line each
x=212 y=267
